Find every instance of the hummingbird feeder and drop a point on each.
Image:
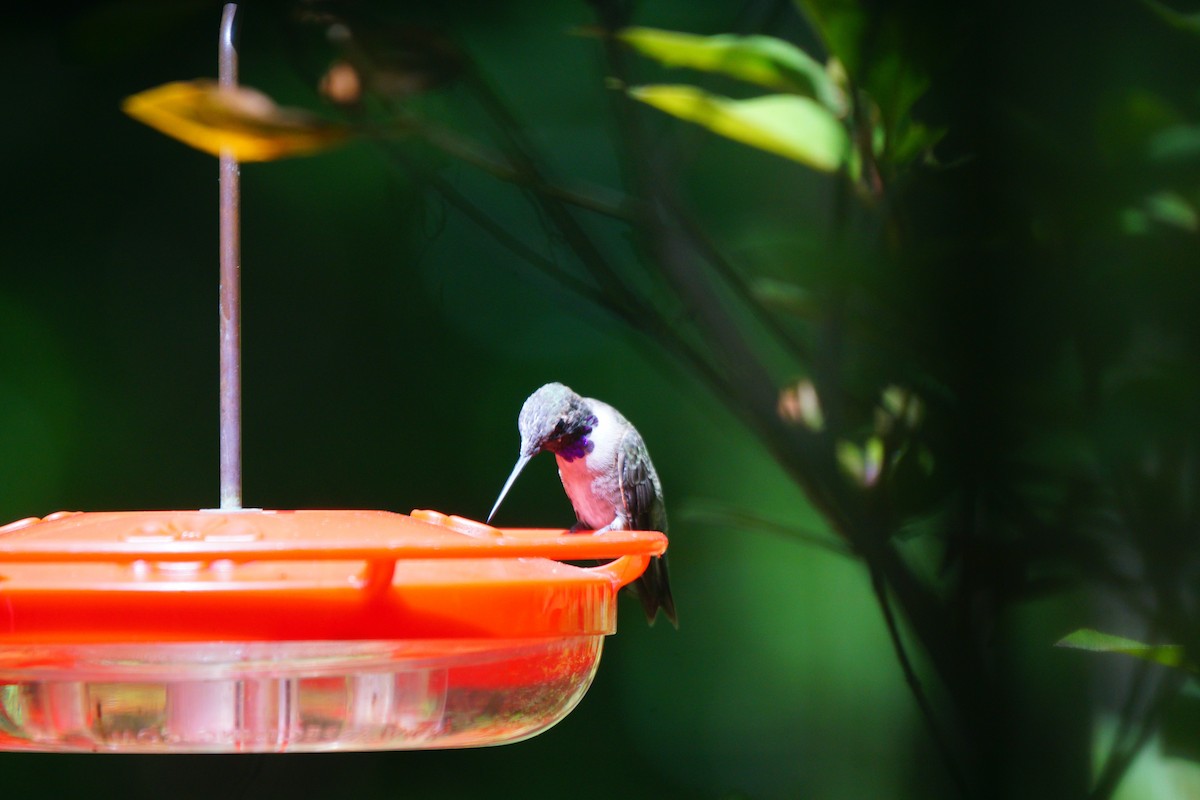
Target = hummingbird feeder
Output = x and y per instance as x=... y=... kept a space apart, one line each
x=255 y=630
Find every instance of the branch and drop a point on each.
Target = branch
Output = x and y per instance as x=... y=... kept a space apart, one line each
x=1131 y=737
x=518 y=150
x=918 y=691
x=497 y=231
x=464 y=149
x=806 y=457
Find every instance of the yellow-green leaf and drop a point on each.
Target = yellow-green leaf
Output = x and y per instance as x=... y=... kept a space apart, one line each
x=1170 y=655
x=791 y=126
x=241 y=121
x=784 y=296
x=762 y=60
x=850 y=459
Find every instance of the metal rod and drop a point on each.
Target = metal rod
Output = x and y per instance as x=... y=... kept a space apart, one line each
x=230 y=301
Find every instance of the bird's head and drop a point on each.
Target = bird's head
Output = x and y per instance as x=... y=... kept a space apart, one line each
x=553 y=418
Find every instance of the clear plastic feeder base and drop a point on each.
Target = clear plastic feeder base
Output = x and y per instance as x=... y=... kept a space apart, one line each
x=289 y=697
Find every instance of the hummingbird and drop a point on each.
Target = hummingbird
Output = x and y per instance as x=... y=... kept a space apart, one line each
x=606 y=471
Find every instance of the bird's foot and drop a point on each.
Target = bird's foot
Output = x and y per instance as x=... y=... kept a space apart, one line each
x=580 y=527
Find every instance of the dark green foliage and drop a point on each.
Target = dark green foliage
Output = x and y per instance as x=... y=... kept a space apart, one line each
x=960 y=358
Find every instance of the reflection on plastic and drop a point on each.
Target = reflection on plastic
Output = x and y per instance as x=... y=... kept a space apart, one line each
x=295 y=697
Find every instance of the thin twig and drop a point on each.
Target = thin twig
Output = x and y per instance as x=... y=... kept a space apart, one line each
x=916 y=689
x=713 y=515
x=498 y=232
x=518 y=151
x=736 y=282
x=464 y=149
x=651 y=325
x=1120 y=759
x=1132 y=732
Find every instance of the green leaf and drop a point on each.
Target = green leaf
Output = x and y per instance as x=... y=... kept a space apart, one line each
x=784 y=296
x=850 y=459
x=912 y=140
x=1174 y=143
x=878 y=54
x=1187 y=23
x=873 y=454
x=863 y=464
x=840 y=24
x=1162 y=208
x=1170 y=655
x=762 y=60
x=1173 y=209
x=791 y=126
x=1134 y=222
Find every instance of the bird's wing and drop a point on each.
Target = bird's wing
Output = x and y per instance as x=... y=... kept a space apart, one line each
x=640 y=493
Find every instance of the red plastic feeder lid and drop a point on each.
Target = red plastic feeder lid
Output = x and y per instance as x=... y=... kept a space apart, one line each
x=262 y=575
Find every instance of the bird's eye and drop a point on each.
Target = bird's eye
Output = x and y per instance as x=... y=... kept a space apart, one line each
x=558 y=428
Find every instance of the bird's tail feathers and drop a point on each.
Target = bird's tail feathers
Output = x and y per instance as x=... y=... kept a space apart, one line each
x=653 y=589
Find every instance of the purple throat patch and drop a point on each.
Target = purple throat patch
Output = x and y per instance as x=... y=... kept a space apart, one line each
x=579 y=445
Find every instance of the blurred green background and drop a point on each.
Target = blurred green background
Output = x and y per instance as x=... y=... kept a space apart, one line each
x=389 y=342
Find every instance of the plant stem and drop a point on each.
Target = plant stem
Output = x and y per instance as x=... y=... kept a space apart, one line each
x=460 y=147
x=928 y=713
x=806 y=457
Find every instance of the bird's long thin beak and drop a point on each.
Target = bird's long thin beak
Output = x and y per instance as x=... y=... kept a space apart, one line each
x=521 y=462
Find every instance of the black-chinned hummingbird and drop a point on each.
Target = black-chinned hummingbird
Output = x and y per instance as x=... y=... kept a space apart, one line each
x=606 y=472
